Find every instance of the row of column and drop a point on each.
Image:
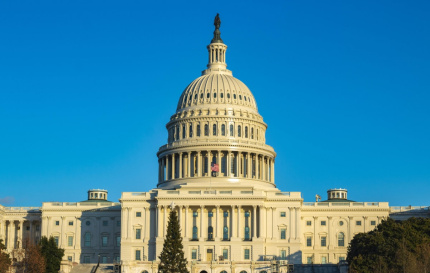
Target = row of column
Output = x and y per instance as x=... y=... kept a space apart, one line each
x=216 y=55
x=231 y=164
x=12 y=232
x=262 y=223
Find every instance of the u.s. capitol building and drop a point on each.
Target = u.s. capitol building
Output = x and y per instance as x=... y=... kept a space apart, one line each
x=217 y=172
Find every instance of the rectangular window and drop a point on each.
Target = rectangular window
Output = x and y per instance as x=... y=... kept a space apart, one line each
x=105 y=223
x=323 y=260
x=56 y=238
x=309 y=241
x=358 y=223
x=373 y=223
x=283 y=254
x=283 y=214
x=37 y=228
x=70 y=223
x=87 y=241
x=309 y=223
x=104 y=240
x=309 y=260
x=57 y=223
x=323 y=241
x=104 y=260
x=70 y=241
x=69 y=258
x=341 y=259
x=87 y=259
x=194 y=254
x=246 y=254
x=138 y=231
x=323 y=223
x=283 y=233
x=225 y=253
x=118 y=240
x=118 y=223
x=138 y=214
x=137 y=255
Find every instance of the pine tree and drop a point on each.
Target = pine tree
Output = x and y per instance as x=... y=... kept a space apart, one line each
x=52 y=254
x=172 y=258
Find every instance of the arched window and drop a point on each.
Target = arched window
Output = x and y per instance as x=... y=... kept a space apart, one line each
x=234 y=96
x=228 y=95
x=223 y=271
x=231 y=130
x=206 y=130
x=184 y=131
x=243 y=271
x=144 y=271
x=257 y=134
x=87 y=239
x=208 y=95
x=214 y=129
x=246 y=233
x=198 y=129
x=341 y=239
x=263 y=271
x=223 y=129
x=246 y=131
x=214 y=95
x=191 y=130
x=239 y=131
x=222 y=95
x=201 y=95
x=195 y=96
x=240 y=97
x=252 y=133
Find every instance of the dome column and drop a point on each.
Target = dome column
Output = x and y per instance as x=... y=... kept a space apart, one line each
x=180 y=165
x=263 y=167
x=199 y=164
x=173 y=167
x=167 y=167
x=189 y=165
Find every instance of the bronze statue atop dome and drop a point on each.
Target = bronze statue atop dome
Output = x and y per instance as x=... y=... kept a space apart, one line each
x=217 y=33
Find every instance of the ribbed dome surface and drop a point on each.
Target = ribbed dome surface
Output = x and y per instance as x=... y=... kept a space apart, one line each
x=217 y=89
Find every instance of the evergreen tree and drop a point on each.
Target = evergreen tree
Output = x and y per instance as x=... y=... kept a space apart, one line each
x=5 y=260
x=172 y=258
x=52 y=254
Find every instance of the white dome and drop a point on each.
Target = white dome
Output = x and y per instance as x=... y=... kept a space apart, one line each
x=217 y=89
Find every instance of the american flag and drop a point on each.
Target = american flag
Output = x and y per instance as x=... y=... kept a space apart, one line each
x=215 y=167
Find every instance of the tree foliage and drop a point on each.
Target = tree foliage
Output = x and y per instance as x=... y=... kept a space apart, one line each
x=51 y=253
x=32 y=261
x=5 y=260
x=394 y=246
x=172 y=258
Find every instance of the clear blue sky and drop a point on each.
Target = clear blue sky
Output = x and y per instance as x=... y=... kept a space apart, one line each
x=86 y=88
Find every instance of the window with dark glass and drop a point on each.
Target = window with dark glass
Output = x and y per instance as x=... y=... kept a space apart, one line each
x=247 y=232
x=246 y=131
x=225 y=235
x=341 y=239
x=323 y=241
x=246 y=254
x=283 y=233
x=308 y=241
x=225 y=254
x=138 y=233
x=206 y=130
x=194 y=254
x=210 y=228
x=231 y=130
x=198 y=130
x=214 y=130
x=239 y=131
x=195 y=230
x=223 y=129
x=191 y=130
x=184 y=131
x=87 y=239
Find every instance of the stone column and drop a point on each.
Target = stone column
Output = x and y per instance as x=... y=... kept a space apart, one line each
x=254 y=222
x=350 y=220
x=189 y=164
x=180 y=165
x=290 y=224
x=329 y=232
x=217 y=222
x=232 y=222
x=237 y=164
x=167 y=167
x=365 y=223
x=315 y=232
x=201 y=222
x=273 y=170
x=249 y=165
x=62 y=235
x=273 y=222
x=123 y=223
x=238 y=221
x=208 y=167
x=148 y=223
x=263 y=165
x=228 y=163
x=164 y=220
x=257 y=166
x=173 y=166
x=78 y=233
x=10 y=236
x=297 y=223
x=219 y=160
x=129 y=224
x=186 y=222
x=262 y=221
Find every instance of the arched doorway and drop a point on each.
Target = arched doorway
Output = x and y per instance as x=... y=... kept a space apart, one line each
x=203 y=271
